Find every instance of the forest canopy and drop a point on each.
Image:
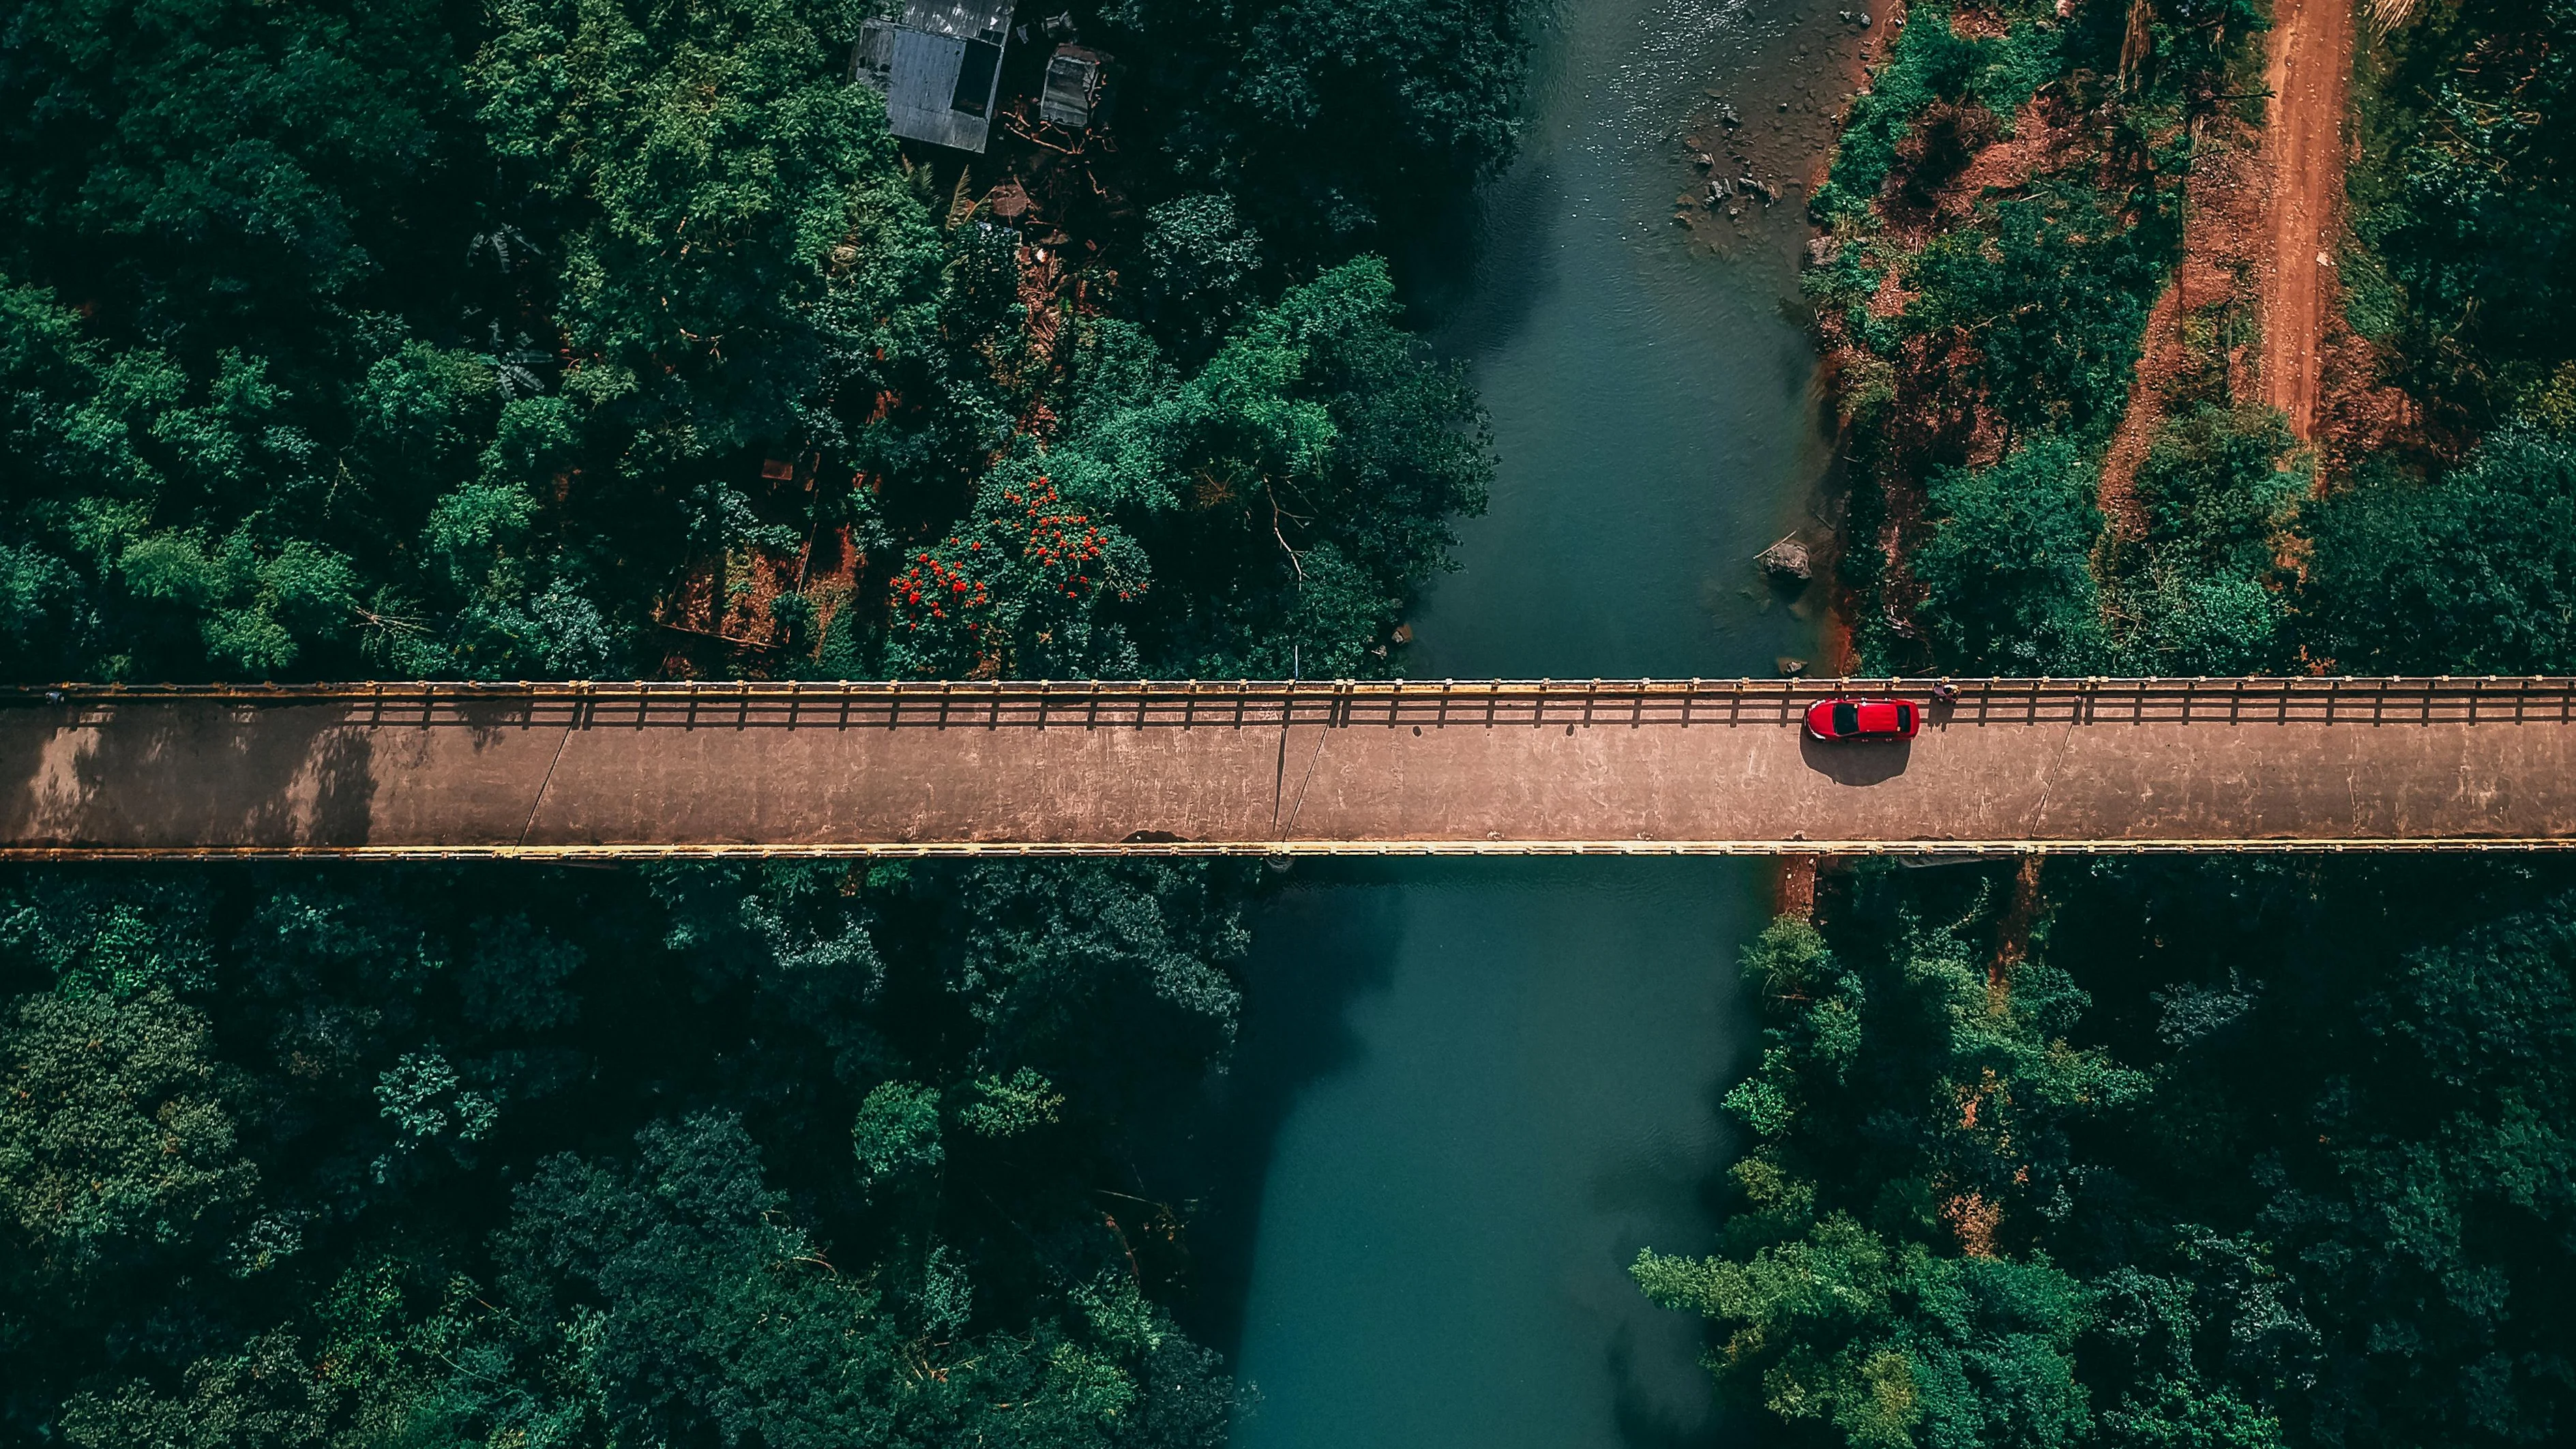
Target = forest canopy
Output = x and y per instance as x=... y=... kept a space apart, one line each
x=502 y=345
x=620 y=338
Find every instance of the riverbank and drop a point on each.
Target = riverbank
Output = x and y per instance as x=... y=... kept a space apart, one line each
x=1760 y=144
x=2009 y=230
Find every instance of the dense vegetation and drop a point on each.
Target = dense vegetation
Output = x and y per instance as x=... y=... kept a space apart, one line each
x=1987 y=358
x=797 y=1156
x=2242 y=1155
x=1985 y=343
x=2240 y=1152
x=426 y=353
x=2456 y=272
x=553 y=339
x=2462 y=217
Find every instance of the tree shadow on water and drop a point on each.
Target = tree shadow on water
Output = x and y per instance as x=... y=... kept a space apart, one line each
x=1324 y=938
x=1661 y=1399
x=1648 y=1418
x=1473 y=279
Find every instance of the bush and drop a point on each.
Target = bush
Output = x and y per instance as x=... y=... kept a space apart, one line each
x=2473 y=574
x=2218 y=490
x=2052 y=295
x=2007 y=574
x=1931 y=64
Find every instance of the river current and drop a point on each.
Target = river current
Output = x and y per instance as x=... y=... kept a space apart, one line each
x=1468 y=1092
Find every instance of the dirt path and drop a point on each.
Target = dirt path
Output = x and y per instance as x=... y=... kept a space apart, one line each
x=1793 y=886
x=2303 y=158
x=2258 y=227
x=2137 y=430
x=2225 y=258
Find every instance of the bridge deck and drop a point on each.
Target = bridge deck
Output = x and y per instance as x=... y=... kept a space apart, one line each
x=578 y=770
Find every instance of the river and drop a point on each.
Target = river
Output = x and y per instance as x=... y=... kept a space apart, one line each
x=1468 y=1092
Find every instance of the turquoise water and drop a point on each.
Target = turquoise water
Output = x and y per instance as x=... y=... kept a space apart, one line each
x=1468 y=1092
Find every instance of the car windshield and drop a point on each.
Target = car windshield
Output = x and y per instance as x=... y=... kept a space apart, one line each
x=1846 y=719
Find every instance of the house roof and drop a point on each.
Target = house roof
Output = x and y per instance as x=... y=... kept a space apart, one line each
x=939 y=68
x=923 y=101
x=962 y=19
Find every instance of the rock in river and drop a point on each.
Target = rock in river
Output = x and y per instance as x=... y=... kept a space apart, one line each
x=1786 y=559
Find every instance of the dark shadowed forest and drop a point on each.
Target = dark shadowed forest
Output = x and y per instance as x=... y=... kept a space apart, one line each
x=615 y=339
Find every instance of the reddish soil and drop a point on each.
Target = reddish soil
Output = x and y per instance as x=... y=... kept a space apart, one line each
x=2045 y=138
x=1793 y=887
x=718 y=616
x=2221 y=268
x=2260 y=220
x=2159 y=358
x=2261 y=216
x=2302 y=165
x=2360 y=414
x=1935 y=420
x=2012 y=937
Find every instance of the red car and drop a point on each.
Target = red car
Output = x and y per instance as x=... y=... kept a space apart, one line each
x=1864 y=719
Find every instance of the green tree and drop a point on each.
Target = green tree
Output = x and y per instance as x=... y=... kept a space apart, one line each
x=120 y=1149
x=1295 y=490
x=2201 y=592
x=1915 y=1124
x=2463 y=204
x=2007 y=573
x=1336 y=116
x=231 y=174
x=705 y=162
x=2474 y=573
x=2219 y=489
x=2431 y=1248
x=1203 y=263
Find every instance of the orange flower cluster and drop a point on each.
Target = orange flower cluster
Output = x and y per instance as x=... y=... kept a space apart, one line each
x=1060 y=546
x=1066 y=543
x=933 y=586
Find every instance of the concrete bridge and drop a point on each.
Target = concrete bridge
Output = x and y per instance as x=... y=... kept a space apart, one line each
x=596 y=770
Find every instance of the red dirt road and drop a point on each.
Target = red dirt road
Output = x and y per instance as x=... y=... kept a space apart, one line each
x=2303 y=161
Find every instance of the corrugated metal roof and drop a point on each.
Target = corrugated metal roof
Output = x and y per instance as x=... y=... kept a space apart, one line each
x=1072 y=83
x=961 y=19
x=872 y=59
x=939 y=87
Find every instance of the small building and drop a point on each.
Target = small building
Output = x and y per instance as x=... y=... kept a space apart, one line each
x=939 y=66
x=1072 y=87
